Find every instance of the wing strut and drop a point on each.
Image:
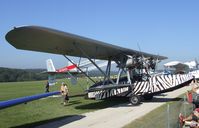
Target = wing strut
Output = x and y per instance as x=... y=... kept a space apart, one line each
x=79 y=69
x=108 y=69
x=105 y=75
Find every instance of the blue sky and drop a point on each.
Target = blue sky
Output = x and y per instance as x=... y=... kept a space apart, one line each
x=165 y=27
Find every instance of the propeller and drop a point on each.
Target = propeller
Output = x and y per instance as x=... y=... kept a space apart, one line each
x=143 y=62
x=153 y=63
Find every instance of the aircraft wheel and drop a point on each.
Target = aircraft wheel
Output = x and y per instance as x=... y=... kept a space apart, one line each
x=134 y=99
x=148 y=97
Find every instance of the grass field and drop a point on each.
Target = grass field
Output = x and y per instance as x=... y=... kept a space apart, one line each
x=49 y=109
x=45 y=110
x=166 y=116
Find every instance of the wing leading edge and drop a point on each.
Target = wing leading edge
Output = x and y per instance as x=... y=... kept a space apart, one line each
x=48 y=40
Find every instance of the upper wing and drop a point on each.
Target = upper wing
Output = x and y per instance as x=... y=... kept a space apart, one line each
x=53 y=41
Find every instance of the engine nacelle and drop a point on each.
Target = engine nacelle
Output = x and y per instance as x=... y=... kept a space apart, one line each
x=130 y=62
x=134 y=62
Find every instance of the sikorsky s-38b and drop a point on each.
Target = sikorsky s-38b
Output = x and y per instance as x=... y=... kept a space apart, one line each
x=134 y=78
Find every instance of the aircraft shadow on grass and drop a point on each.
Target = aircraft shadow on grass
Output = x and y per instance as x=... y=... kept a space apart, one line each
x=123 y=102
x=159 y=100
x=104 y=103
x=55 y=122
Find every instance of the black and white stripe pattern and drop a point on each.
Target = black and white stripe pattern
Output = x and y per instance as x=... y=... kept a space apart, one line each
x=108 y=93
x=160 y=83
x=154 y=84
x=195 y=74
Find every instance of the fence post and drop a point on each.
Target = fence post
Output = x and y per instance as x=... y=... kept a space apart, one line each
x=184 y=106
x=168 y=123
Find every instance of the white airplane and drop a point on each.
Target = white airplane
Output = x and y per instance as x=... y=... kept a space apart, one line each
x=184 y=67
x=134 y=84
x=190 y=64
x=72 y=70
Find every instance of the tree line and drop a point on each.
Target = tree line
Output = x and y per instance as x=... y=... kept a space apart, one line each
x=13 y=75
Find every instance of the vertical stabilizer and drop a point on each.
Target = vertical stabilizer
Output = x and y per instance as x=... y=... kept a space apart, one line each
x=50 y=66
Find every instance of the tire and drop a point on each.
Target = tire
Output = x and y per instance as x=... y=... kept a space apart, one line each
x=134 y=99
x=148 y=97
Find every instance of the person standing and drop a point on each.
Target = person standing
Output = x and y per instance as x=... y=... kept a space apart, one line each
x=47 y=86
x=64 y=92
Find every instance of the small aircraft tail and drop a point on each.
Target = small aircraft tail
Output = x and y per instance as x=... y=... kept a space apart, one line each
x=50 y=66
x=51 y=72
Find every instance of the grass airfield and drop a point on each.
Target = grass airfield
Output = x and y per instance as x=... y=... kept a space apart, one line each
x=48 y=109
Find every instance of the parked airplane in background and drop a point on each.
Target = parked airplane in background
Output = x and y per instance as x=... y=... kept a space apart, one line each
x=136 y=82
x=72 y=70
x=191 y=65
x=183 y=67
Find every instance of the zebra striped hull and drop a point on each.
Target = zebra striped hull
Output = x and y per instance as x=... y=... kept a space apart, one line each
x=161 y=83
x=154 y=85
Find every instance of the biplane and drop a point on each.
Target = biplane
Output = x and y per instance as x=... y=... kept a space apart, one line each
x=133 y=78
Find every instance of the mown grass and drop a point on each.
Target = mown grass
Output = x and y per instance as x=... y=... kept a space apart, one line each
x=48 y=109
x=164 y=116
